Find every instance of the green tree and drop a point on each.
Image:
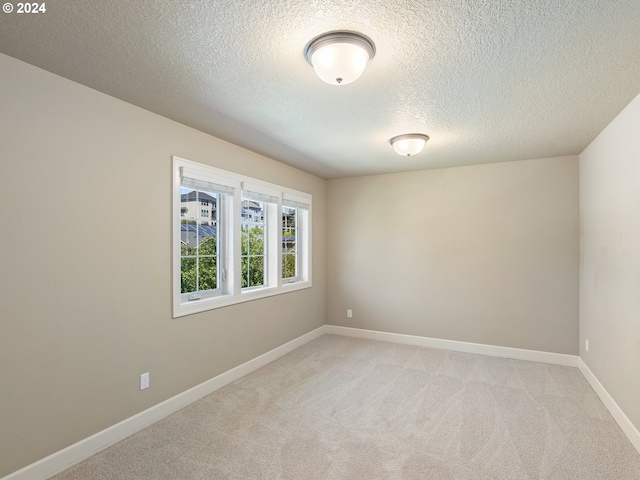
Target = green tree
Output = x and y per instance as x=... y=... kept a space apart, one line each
x=289 y=263
x=289 y=243
x=198 y=267
x=252 y=256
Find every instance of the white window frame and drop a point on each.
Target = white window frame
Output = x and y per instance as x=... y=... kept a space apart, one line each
x=186 y=303
x=271 y=199
x=231 y=291
x=303 y=235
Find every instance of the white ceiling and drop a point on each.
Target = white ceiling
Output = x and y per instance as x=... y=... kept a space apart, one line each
x=487 y=80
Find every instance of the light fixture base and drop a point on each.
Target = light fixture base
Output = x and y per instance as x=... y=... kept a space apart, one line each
x=409 y=143
x=339 y=36
x=339 y=57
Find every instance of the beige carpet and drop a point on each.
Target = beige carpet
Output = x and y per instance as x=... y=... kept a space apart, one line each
x=343 y=408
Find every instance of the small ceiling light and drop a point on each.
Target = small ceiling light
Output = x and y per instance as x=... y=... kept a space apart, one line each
x=339 y=58
x=409 y=144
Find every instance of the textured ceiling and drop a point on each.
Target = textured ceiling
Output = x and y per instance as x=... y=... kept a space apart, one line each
x=487 y=80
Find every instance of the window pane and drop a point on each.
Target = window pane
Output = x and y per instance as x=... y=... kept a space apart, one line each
x=245 y=272
x=288 y=244
x=256 y=241
x=207 y=257
x=256 y=271
x=252 y=271
x=187 y=275
x=253 y=243
x=186 y=250
x=245 y=239
x=188 y=236
x=289 y=247
x=207 y=273
x=199 y=239
x=207 y=243
x=288 y=265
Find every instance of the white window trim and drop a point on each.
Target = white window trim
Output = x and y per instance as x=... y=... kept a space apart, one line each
x=302 y=203
x=231 y=253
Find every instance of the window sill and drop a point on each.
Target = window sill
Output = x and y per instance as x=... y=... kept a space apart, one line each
x=203 y=305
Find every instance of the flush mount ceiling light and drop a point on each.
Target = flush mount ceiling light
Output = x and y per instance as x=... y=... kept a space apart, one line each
x=409 y=144
x=339 y=58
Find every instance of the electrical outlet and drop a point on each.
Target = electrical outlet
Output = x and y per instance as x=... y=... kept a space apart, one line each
x=349 y=313
x=586 y=345
x=144 y=381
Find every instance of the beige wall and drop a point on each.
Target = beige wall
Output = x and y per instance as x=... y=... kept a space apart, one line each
x=485 y=254
x=610 y=259
x=85 y=287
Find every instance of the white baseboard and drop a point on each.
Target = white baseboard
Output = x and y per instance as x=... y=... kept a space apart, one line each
x=77 y=452
x=616 y=412
x=479 y=348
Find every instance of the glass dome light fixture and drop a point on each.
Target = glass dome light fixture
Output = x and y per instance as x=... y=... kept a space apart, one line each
x=409 y=144
x=339 y=57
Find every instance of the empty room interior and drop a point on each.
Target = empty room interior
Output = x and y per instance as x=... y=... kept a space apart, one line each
x=320 y=240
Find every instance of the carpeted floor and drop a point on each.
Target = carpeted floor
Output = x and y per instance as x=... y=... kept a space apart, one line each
x=345 y=408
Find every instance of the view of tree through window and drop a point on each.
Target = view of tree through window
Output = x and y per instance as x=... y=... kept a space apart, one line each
x=289 y=250
x=253 y=246
x=199 y=266
x=235 y=238
x=198 y=241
